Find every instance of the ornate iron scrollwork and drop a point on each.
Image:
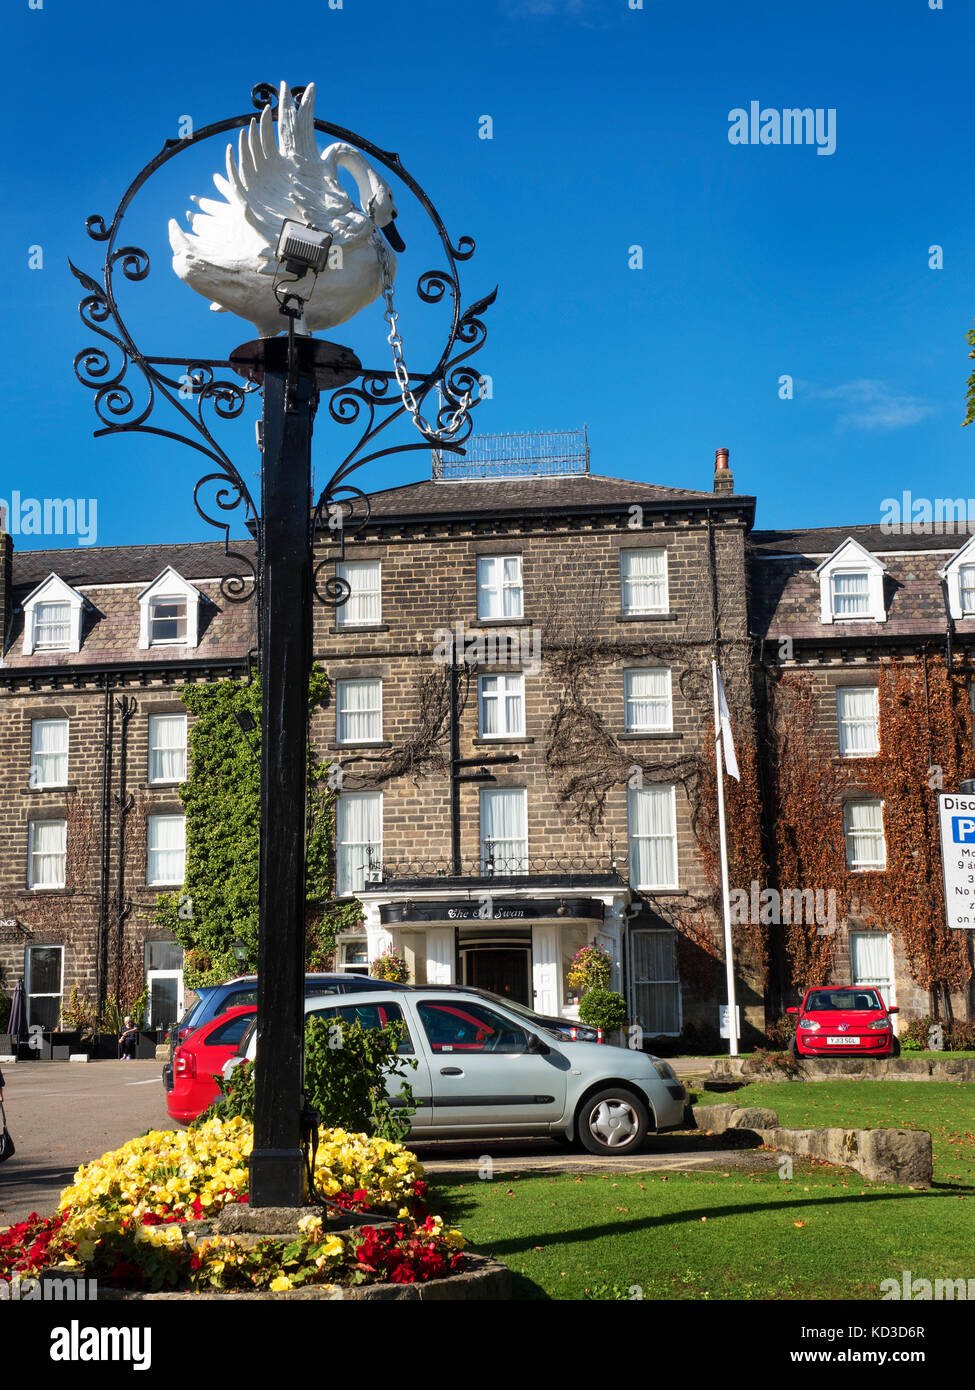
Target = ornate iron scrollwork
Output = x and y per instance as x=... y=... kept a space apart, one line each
x=128 y=383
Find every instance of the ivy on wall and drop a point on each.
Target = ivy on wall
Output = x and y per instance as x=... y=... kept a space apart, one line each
x=925 y=745
x=219 y=899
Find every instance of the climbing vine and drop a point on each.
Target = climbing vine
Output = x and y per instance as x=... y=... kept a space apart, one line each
x=925 y=744
x=219 y=899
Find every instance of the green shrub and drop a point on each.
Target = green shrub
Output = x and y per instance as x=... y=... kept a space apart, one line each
x=603 y=1008
x=345 y=1070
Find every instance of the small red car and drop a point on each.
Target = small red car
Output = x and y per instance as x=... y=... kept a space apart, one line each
x=199 y=1059
x=836 y=1020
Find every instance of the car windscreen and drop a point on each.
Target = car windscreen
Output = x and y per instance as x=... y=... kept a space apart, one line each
x=842 y=1001
x=536 y=1020
x=245 y=1039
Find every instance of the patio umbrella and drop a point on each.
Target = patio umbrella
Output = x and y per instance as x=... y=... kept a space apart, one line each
x=17 y=1027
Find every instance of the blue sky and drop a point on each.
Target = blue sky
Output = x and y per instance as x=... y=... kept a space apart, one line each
x=610 y=131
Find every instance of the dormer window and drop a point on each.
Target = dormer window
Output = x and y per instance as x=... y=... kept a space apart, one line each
x=169 y=612
x=52 y=627
x=167 y=621
x=52 y=618
x=959 y=577
x=851 y=586
x=850 y=594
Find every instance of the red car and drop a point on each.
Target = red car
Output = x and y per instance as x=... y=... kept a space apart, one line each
x=836 y=1020
x=199 y=1059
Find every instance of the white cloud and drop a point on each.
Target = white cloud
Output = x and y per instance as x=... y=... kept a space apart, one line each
x=871 y=405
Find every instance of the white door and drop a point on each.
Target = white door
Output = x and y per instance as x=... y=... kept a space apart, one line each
x=165 y=997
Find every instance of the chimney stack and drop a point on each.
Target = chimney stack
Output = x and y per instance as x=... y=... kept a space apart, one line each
x=723 y=477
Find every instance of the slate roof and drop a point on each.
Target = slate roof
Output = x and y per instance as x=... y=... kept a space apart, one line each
x=785 y=587
x=124 y=564
x=558 y=493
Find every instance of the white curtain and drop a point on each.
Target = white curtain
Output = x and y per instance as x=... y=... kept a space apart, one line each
x=865 y=847
x=857 y=711
x=647 y=699
x=167 y=747
x=653 y=837
x=359 y=839
x=502 y=705
x=52 y=625
x=870 y=960
x=48 y=852
x=850 y=594
x=499 y=586
x=49 y=753
x=365 y=601
x=504 y=835
x=644 y=574
x=360 y=711
x=966 y=586
x=167 y=849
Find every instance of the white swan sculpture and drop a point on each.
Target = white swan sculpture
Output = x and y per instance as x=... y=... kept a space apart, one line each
x=230 y=253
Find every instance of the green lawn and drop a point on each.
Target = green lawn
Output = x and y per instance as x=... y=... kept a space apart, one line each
x=826 y=1233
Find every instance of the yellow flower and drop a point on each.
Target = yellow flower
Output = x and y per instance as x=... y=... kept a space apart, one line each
x=279 y=1284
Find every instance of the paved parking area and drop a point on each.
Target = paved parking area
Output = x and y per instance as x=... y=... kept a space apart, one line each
x=62 y=1114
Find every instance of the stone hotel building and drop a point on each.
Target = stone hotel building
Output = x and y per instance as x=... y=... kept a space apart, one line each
x=520 y=707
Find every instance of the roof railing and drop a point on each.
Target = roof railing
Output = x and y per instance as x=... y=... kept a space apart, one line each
x=531 y=454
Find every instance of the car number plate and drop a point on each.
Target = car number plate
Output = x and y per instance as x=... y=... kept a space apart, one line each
x=843 y=1042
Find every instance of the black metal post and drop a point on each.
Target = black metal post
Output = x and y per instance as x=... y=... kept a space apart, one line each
x=276 y=1174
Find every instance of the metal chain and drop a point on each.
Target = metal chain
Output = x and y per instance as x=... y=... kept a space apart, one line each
x=399 y=365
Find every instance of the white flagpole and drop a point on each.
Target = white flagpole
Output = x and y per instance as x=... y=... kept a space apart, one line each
x=725 y=891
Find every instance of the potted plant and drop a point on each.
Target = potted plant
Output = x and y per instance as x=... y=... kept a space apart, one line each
x=391 y=968
x=589 y=968
x=605 y=1009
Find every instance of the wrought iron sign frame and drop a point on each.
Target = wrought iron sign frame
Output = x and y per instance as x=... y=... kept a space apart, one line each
x=341 y=506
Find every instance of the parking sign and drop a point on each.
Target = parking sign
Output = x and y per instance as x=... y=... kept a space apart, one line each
x=957 y=819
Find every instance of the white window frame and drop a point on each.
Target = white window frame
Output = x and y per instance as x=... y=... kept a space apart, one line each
x=842 y=721
x=35 y=754
x=864 y=866
x=640 y=983
x=887 y=987
x=357 y=967
x=348 y=570
x=31 y=994
x=509 y=869
x=169 y=587
x=629 y=700
x=508 y=687
x=62 y=854
x=851 y=558
x=632 y=839
x=627 y=607
x=961 y=565
x=493 y=585
x=153 y=747
x=151 y=850
x=341 y=714
x=372 y=850
x=52 y=591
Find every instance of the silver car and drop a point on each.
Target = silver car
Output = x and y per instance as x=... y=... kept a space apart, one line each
x=487 y=1070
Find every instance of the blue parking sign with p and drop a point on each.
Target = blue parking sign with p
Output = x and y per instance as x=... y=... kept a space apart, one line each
x=963 y=830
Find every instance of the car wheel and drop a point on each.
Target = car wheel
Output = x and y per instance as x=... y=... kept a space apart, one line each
x=613 y=1122
x=895 y=1047
x=794 y=1048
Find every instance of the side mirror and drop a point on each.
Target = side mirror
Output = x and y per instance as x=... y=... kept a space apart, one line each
x=535 y=1044
x=792 y=1011
x=893 y=1010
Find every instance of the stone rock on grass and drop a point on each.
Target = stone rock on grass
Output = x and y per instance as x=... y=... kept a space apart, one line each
x=715 y=1118
x=896 y=1155
x=753 y=1117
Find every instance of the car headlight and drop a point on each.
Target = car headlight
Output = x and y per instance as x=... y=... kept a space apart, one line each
x=810 y=1025
x=880 y=1025
x=664 y=1070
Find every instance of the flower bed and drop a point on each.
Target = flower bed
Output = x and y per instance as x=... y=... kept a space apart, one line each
x=135 y=1218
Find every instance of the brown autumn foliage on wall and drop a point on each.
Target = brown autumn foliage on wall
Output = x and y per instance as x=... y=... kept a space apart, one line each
x=925 y=745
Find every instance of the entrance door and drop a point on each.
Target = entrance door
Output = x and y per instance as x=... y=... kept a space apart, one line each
x=165 y=997
x=501 y=969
